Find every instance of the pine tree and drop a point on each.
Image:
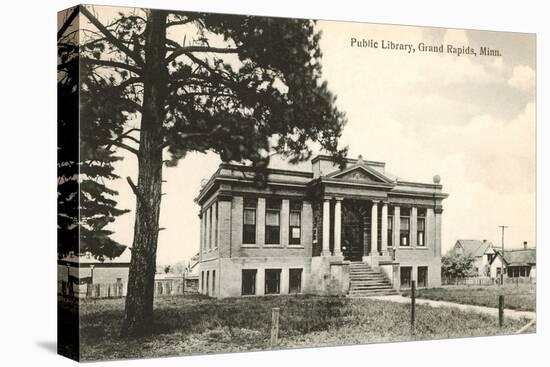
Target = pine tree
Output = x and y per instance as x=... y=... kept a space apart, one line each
x=239 y=86
x=85 y=204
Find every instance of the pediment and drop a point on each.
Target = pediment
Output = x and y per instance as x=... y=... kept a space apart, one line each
x=360 y=174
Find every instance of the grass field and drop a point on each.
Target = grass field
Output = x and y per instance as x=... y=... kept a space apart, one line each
x=517 y=297
x=186 y=325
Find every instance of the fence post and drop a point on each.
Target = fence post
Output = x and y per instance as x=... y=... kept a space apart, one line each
x=500 y=310
x=274 y=326
x=413 y=305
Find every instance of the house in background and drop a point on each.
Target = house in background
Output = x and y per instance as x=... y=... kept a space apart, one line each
x=192 y=274
x=85 y=268
x=516 y=263
x=483 y=253
x=109 y=276
x=318 y=228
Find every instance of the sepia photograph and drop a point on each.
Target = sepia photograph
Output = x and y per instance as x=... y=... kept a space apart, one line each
x=237 y=183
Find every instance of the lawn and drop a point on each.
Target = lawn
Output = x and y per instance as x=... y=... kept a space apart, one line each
x=517 y=297
x=186 y=325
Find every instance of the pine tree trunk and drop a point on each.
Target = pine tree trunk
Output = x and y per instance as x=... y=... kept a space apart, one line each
x=138 y=317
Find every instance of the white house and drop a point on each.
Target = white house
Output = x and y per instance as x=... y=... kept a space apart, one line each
x=483 y=253
x=516 y=263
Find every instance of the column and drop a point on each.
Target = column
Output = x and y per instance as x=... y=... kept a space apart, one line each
x=214 y=229
x=285 y=222
x=213 y=211
x=326 y=227
x=437 y=239
x=207 y=231
x=396 y=226
x=374 y=226
x=224 y=227
x=430 y=228
x=413 y=226
x=201 y=242
x=384 y=229
x=338 y=227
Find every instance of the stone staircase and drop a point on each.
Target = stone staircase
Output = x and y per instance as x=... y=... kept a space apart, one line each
x=367 y=282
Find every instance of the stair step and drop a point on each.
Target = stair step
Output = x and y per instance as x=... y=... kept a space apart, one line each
x=367 y=282
x=377 y=292
x=371 y=286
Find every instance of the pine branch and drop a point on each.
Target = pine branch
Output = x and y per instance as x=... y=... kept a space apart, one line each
x=109 y=63
x=111 y=38
x=189 y=49
x=68 y=22
x=119 y=144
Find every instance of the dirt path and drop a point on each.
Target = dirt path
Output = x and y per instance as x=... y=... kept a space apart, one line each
x=513 y=314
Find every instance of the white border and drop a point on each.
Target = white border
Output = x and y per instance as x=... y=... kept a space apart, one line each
x=28 y=183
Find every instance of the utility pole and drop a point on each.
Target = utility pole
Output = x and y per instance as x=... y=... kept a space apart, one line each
x=502 y=268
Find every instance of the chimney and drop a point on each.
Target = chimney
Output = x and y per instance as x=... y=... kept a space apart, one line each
x=525 y=244
x=484 y=241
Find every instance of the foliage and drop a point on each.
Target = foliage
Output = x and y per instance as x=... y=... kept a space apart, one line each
x=456 y=265
x=85 y=204
x=240 y=86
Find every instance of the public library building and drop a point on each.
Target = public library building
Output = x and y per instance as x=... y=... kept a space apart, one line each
x=318 y=229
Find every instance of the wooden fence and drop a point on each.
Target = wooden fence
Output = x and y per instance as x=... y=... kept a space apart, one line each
x=163 y=287
x=486 y=281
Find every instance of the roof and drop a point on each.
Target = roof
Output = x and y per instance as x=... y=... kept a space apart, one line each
x=123 y=258
x=517 y=257
x=475 y=248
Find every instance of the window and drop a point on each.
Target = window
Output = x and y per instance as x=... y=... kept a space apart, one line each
x=421 y=229
x=405 y=275
x=273 y=222
x=202 y=281
x=213 y=282
x=295 y=225
x=422 y=276
x=249 y=282
x=207 y=282
x=272 y=281
x=404 y=228
x=249 y=220
x=295 y=281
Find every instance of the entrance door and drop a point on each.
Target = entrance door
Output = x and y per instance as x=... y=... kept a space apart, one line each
x=353 y=230
x=352 y=241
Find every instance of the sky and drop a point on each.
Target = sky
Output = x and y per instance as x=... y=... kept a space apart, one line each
x=469 y=119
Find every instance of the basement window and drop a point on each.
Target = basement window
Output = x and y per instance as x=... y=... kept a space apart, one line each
x=405 y=276
x=272 y=281
x=422 y=276
x=295 y=281
x=249 y=282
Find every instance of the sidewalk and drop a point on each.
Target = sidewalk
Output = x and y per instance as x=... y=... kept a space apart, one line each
x=509 y=313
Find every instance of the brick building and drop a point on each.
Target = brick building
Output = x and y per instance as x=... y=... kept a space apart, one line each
x=318 y=229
